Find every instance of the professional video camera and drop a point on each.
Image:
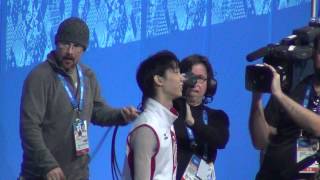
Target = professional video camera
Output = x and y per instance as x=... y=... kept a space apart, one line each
x=292 y=50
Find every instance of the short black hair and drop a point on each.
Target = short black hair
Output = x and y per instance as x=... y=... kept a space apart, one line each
x=156 y=64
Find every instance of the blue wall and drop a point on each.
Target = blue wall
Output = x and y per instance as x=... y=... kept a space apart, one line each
x=123 y=32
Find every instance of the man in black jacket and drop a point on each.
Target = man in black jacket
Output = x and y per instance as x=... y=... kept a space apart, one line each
x=59 y=98
x=289 y=127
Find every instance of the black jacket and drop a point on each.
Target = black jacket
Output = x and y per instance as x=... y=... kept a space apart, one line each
x=215 y=134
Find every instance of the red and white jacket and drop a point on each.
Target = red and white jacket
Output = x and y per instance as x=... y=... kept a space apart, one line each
x=164 y=162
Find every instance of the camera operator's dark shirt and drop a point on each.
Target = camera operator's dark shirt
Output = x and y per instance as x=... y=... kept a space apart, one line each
x=215 y=134
x=280 y=155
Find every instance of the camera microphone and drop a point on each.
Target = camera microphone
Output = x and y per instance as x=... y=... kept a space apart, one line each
x=259 y=53
x=288 y=52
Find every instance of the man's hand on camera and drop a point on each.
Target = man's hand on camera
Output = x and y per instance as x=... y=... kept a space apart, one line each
x=129 y=113
x=275 y=85
x=256 y=96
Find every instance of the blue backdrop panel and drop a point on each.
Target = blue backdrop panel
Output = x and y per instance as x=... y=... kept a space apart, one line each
x=122 y=33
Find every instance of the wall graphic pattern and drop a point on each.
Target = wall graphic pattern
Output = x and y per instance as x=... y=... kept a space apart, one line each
x=30 y=25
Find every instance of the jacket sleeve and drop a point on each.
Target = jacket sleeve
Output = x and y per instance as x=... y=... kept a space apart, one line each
x=32 y=111
x=103 y=114
x=216 y=133
x=145 y=146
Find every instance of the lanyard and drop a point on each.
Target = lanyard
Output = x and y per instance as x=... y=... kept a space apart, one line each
x=191 y=135
x=307 y=95
x=76 y=106
x=306 y=99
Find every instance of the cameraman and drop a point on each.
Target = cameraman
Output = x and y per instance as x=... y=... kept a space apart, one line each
x=286 y=122
x=200 y=130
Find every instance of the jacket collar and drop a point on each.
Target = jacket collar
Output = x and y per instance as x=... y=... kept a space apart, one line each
x=168 y=116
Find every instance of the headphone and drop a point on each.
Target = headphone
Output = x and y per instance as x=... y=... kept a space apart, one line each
x=186 y=66
x=212 y=85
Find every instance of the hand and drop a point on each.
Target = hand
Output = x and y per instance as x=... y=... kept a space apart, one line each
x=129 y=113
x=256 y=96
x=189 y=118
x=275 y=85
x=56 y=174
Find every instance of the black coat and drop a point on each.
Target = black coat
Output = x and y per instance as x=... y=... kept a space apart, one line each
x=215 y=134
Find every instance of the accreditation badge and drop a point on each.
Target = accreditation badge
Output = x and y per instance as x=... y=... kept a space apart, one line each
x=307 y=147
x=199 y=169
x=80 y=131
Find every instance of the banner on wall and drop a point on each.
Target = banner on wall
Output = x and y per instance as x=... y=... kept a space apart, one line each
x=30 y=25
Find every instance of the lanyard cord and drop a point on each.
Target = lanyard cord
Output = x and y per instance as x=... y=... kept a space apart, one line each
x=191 y=137
x=306 y=99
x=78 y=106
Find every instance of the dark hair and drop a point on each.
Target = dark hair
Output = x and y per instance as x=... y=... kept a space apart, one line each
x=156 y=64
x=186 y=66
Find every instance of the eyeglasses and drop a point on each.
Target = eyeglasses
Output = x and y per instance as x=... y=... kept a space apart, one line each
x=201 y=79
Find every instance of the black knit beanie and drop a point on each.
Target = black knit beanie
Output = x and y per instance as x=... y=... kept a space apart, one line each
x=73 y=30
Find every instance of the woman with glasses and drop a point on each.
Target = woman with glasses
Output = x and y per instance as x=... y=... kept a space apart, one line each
x=200 y=130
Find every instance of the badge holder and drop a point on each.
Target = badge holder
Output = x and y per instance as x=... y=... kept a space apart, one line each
x=80 y=131
x=308 y=158
x=198 y=169
x=307 y=147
